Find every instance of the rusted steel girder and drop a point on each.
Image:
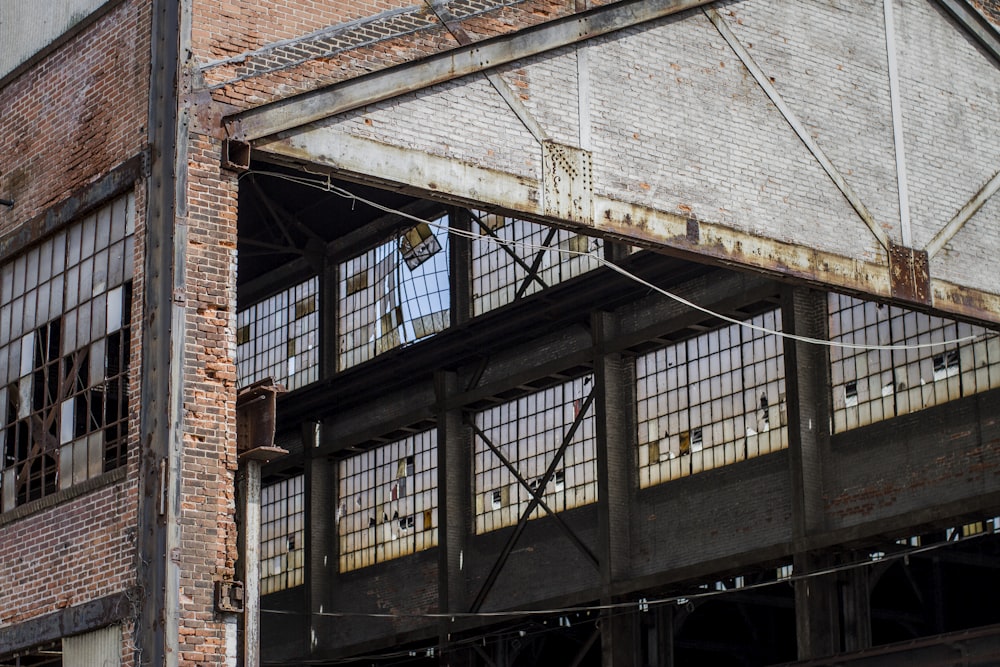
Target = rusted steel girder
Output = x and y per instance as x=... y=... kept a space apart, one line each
x=705 y=241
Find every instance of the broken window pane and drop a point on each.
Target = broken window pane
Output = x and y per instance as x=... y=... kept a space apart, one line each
x=394 y=294
x=710 y=400
x=529 y=431
x=282 y=535
x=382 y=491
x=64 y=412
x=872 y=385
x=279 y=338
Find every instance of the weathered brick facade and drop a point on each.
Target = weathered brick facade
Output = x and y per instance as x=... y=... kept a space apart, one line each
x=64 y=125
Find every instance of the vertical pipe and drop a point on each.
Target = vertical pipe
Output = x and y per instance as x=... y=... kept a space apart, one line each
x=249 y=493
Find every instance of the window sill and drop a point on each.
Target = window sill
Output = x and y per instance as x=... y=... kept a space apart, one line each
x=59 y=497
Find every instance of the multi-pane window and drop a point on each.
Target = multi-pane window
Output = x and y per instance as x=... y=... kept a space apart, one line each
x=65 y=308
x=388 y=501
x=525 y=435
x=710 y=401
x=514 y=258
x=279 y=338
x=394 y=294
x=872 y=385
x=282 y=535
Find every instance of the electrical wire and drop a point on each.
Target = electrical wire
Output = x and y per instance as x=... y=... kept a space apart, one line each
x=602 y=611
x=642 y=604
x=638 y=606
x=328 y=186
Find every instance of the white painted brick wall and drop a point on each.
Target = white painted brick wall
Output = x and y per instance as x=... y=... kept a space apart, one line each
x=952 y=119
x=676 y=112
x=828 y=61
x=678 y=124
x=464 y=120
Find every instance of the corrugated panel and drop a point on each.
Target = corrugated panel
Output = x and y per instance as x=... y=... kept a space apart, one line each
x=101 y=648
x=26 y=28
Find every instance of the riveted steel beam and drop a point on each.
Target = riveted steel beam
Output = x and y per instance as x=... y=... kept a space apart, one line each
x=704 y=241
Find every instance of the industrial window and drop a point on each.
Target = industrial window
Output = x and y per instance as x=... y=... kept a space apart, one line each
x=394 y=294
x=65 y=310
x=279 y=338
x=282 y=535
x=528 y=433
x=872 y=385
x=711 y=400
x=514 y=258
x=388 y=501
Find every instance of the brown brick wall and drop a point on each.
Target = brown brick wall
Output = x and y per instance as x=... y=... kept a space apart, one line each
x=77 y=551
x=276 y=63
x=208 y=530
x=74 y=116
x=64 y=123
x=990 y=8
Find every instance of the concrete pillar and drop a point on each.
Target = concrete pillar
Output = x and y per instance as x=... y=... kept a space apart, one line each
x=856 y=617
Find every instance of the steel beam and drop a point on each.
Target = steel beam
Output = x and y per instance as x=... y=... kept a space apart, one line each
x=975 y=24
x=482 y=56
x=163 y=326
x=980 y=646
x=715 y=243
x=971 y=207
x=74 y=620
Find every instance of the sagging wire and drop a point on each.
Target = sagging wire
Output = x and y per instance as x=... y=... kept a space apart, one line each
x=644 y=604
x=328 y=186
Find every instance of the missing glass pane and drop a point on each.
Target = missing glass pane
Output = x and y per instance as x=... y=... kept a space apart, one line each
x=418 y=245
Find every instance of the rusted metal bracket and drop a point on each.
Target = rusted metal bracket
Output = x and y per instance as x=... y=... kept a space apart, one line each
x=255 y=421
x=523 y=520
x=235 y=155
x=909 y=274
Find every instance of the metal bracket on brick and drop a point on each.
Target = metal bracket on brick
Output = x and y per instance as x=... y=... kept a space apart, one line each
x=235 y=155
x=567 y=182
x=909 y=274
x=229 y=596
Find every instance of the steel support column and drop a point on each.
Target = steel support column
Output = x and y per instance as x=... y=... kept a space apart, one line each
x=163 y=327
x=321 y=543
x=615 y=481
x=249 y=559
x=454 y=509
x=817 y=617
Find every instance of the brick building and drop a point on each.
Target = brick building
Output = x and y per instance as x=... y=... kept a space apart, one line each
x=499 y=332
